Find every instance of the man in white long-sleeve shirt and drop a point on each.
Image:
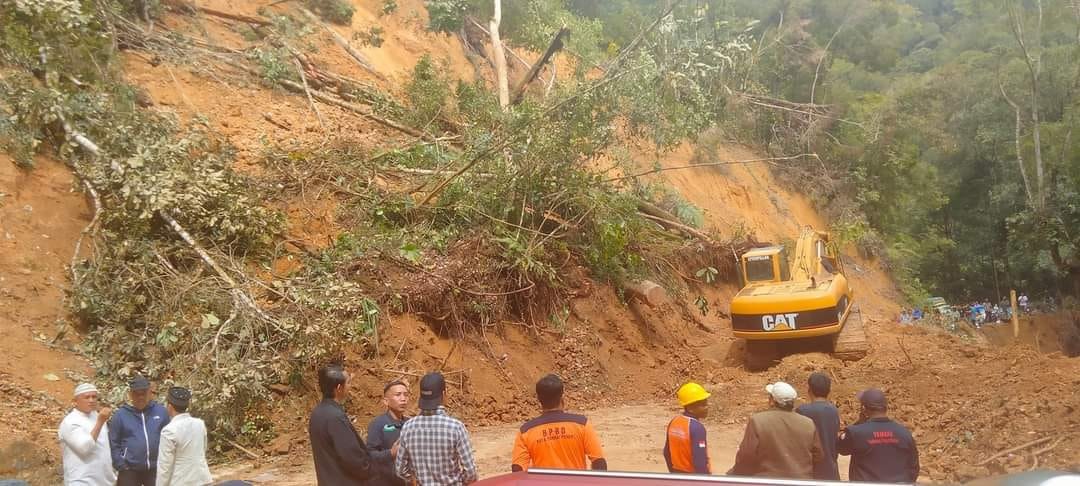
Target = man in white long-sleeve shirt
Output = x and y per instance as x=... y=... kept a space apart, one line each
x=182 y=451
x=84 y=441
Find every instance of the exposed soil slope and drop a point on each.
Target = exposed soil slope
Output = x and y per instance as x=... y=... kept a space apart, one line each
x=41 y=217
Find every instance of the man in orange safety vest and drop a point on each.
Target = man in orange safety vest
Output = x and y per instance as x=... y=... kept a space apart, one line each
x=686 y=449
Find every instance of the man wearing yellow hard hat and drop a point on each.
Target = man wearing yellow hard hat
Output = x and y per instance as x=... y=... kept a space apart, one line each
x=686 y=450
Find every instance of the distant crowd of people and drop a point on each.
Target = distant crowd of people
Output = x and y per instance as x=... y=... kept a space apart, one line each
x=977 y=313
x=145 y=443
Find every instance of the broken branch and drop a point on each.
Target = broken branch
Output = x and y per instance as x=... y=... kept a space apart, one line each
x=307 y=91
x=339 y=40
x=358 y=110
x=534 y=71
x=1014 y=449
x=710 y=164
x=89 y=229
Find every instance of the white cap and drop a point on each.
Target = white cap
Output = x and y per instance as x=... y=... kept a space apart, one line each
x=84 y=388
x=782 y=392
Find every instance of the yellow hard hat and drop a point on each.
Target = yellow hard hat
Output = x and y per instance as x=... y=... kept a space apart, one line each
x=691 y=393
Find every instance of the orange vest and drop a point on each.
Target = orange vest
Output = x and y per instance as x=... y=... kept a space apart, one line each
x=680 y=447
x=557 y=440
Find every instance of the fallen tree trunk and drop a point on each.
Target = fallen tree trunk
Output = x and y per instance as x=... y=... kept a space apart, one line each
x=360 y=110
x=670 y=221
x=646 y=291
x=534 y=71
x=341 y=41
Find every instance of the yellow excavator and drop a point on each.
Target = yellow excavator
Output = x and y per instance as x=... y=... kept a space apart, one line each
x=796 y=301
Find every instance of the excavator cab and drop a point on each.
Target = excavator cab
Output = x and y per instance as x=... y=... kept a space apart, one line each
x=765 y=265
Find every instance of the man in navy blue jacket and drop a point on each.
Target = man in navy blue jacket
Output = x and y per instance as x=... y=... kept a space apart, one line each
x=134 y=432
x=881 y=450
x=827 y=421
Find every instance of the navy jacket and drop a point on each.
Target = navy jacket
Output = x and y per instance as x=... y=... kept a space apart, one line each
x=382 y=432
x=134 y=435
x=881 y=450
x=827 y=421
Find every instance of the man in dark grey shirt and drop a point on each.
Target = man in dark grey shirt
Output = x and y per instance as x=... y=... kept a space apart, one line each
x=827 y=420
x=384 y=430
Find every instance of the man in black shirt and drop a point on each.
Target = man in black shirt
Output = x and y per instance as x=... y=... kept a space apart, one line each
x=880 y=449
x=827 y=421
x=340 y=457
x=383 y=432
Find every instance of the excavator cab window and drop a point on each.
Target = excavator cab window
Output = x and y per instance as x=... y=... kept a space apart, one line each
x=759 y=268
x=767 y=267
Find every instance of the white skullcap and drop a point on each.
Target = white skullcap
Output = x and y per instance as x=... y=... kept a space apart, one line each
x=84 y=388
x=782 y=392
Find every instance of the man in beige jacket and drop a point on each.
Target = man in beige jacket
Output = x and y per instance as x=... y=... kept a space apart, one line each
x=182 y=453
x=778 y=442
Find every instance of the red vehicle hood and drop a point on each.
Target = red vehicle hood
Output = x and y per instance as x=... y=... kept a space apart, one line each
x=546 y=477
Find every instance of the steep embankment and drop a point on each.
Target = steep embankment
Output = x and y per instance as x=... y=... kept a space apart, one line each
x=41 y=218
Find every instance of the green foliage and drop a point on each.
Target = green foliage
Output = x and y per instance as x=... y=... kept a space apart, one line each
x=708 y=274
x=372 y=37
x=427 y=93
x=526 y=260
x=274 y=64
x=61 y=37
x=702 y=305
x=335 y=11
x=533 y=23
x=388 y=7
x=446 y=15
x=410 y=252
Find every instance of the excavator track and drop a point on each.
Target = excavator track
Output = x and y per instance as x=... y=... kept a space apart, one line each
x=851 y=344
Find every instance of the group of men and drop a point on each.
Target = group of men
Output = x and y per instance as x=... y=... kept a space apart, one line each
x=143 y=443
x=433 y=448
x=799 y=443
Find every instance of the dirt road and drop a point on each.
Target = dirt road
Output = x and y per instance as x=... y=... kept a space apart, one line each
x=632 y=435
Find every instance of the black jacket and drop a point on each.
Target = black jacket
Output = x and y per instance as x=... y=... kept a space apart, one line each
x=881 y=450
x=382 y=432
x=341 y=459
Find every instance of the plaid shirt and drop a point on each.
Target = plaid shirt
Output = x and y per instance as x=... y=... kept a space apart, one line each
x=434 y=449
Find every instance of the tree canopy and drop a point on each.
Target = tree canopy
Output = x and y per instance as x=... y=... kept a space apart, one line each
x=945 y=126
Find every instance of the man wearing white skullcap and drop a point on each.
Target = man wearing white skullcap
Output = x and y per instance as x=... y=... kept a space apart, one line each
x=84 y=441
x=778 y=443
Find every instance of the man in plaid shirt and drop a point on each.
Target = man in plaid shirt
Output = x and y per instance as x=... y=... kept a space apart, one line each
x=434 y=448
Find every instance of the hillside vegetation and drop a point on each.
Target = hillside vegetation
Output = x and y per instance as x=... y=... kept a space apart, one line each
x=929 y=134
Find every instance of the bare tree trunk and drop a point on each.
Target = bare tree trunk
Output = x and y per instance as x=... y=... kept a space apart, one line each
x=1033 y=60
x=1019 y=152
x=500 y=57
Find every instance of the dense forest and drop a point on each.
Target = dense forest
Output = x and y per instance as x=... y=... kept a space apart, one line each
x=944 y=128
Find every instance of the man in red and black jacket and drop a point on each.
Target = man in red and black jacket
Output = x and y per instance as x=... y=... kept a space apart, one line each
x=880 y=449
